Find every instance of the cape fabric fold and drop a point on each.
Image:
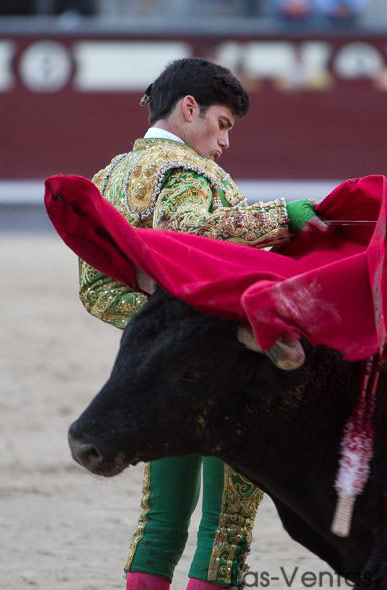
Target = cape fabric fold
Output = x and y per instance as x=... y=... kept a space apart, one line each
x=329 y=288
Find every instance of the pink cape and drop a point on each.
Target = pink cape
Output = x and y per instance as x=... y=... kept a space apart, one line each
x=328 y=287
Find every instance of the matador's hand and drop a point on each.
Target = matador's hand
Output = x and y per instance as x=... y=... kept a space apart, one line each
x=315 y=222
x=302 y=216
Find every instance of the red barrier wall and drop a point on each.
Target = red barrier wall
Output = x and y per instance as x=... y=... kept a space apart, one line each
x=334 y=129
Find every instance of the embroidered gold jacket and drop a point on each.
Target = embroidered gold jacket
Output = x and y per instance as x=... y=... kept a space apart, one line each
x=165 y=184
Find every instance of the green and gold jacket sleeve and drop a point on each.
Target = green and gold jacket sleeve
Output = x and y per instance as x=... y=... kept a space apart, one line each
x=186 y=204
x=106 y=299
x=102 y=296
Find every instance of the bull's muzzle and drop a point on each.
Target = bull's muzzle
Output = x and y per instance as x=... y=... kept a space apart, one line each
x=91 y=452
x=85 y=453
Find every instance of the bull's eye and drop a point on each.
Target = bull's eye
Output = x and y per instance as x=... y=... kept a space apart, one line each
x=191 y=375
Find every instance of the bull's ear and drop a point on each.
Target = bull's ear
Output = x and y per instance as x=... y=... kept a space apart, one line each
x=145 y=283
x=246 y=337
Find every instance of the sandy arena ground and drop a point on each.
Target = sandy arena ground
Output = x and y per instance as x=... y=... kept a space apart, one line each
x=60 y=527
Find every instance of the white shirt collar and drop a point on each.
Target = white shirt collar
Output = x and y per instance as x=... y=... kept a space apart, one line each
x=157 y=133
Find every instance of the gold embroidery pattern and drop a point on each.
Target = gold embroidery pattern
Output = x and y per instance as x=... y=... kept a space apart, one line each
x=107 y=305
x=142 y=521
x=106 y=299
x=158 y=158
x=185 y=204
x=233 y=537
x=113 y=181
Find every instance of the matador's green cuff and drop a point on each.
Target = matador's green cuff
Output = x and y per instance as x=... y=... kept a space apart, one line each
x=299 y=213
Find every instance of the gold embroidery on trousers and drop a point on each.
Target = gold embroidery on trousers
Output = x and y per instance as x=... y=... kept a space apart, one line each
x=233 y=537
x=143 y=520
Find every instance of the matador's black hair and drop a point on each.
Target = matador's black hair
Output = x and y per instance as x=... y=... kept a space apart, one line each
x=207 y=82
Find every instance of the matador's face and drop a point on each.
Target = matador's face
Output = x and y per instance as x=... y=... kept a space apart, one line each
x=208 y=132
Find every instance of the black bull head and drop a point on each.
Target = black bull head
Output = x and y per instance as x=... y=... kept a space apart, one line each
x=182 y=383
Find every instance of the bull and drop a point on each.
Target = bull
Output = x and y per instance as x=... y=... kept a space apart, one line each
x=182 y=383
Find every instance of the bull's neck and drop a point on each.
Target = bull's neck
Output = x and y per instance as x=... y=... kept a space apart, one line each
x=282 y=416
x=289 y=447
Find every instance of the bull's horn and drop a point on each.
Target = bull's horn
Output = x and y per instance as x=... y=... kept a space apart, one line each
x=246 y=337
x=287 y=355
x=145 y=283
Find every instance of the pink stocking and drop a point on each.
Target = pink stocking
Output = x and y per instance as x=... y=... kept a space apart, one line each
x=142 y=581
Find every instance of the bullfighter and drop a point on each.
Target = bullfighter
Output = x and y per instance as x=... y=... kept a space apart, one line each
x=171 y=181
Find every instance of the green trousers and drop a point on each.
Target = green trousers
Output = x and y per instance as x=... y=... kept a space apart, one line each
x=170 y=494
